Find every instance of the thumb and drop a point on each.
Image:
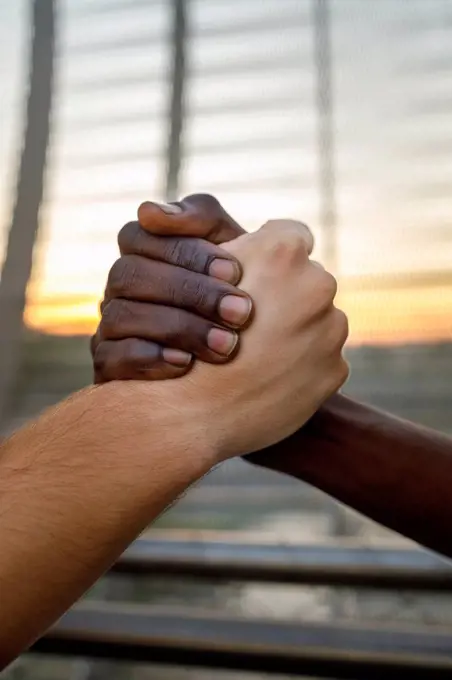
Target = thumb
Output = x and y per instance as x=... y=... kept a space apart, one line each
x=198 y=215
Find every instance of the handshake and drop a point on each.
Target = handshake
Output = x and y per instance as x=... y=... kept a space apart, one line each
x=191 y=290
x=247 y=326
x=246 y=323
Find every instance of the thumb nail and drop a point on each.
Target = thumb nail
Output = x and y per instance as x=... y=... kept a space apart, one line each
x=147 y=211
x=169 y=208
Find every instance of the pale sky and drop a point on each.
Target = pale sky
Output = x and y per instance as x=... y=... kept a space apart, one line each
x=393 y=111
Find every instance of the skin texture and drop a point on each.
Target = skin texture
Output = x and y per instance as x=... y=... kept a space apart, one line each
x=170 y=278
x=83 y=480
x=59 y=529
x=306 y=338
x=393 y=471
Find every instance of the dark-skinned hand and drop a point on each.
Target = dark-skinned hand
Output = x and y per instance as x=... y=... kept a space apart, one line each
x=172 y=296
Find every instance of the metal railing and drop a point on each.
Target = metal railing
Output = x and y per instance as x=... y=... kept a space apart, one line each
x=164 y=635
x=341 y=565
x=156 y=634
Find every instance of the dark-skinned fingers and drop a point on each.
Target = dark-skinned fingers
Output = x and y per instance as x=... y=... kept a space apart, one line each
x=197 y=255
x=168 y=327
x=199 y=215
x=137 y=278
x=94 y=341
x=137 y=359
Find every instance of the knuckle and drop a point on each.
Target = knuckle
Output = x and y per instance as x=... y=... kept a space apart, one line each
x=131 y=357
x=337 y=375
x=288 y=245
x=185 y=331
x=320 y=288
x=116 y=278
x=342 y=327
x=202 y=295
x=342 y=373
x=289 y=237
x=288 y=249
x=121 y=276
x=199 y=296
x=113 y=317
x=93 y=342
x=124 y=359
x=124 y=356
x=196 y=256
x=339 y=331
x=196 y=292
x=206 y=202
x=174 y=251
x=188 y=253
x=325 y=285
x=129 y=237
x=183 y=327
x=99 y=360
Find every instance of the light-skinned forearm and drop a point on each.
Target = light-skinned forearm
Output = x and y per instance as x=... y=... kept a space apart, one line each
x=393 y=471
x=77 y=486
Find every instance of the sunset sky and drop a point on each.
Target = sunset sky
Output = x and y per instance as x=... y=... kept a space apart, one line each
x=393 y=112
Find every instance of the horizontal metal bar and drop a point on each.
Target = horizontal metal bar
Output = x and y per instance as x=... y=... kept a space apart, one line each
x=313 y=564
x=281 y=102
x=266 y=63
x=420 y=189
x=428 y=105
x=275 y=100
x=261 y=25
x=249 y=144
x=83 y=162
x=159 y=635
x=97 y=8
x=272 y=23
x=224 y=148
x=119 y=82
x=430 y=64
x=140 y=42
x=438 y=149
x=120 y=196
x=112 y=120
x=239 y=185
x=263 y=64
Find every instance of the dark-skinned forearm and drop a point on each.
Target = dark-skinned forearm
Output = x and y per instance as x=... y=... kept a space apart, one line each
x=397 y=473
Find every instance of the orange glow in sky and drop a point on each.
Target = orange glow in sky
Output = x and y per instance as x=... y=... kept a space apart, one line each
x=250 y=138
x=397 y=316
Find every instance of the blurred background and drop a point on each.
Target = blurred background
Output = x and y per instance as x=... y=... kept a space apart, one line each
x=335 y=112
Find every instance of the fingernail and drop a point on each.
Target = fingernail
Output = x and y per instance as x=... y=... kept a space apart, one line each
x=221 y=341
x=176 y=356
x=225 y=270
x=169 y=208
x=234 y=309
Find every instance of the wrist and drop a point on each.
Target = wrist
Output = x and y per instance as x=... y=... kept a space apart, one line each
x=179 y=416
x=314 y=446
x=329 y=426
x=328 y=421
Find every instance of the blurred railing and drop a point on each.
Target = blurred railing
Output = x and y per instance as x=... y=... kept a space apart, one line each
x=291 y=91
x=164 y=635
x=334 y=565
x=273 y=82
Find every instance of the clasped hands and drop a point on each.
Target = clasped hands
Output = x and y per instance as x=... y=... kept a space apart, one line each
x=246 y=322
